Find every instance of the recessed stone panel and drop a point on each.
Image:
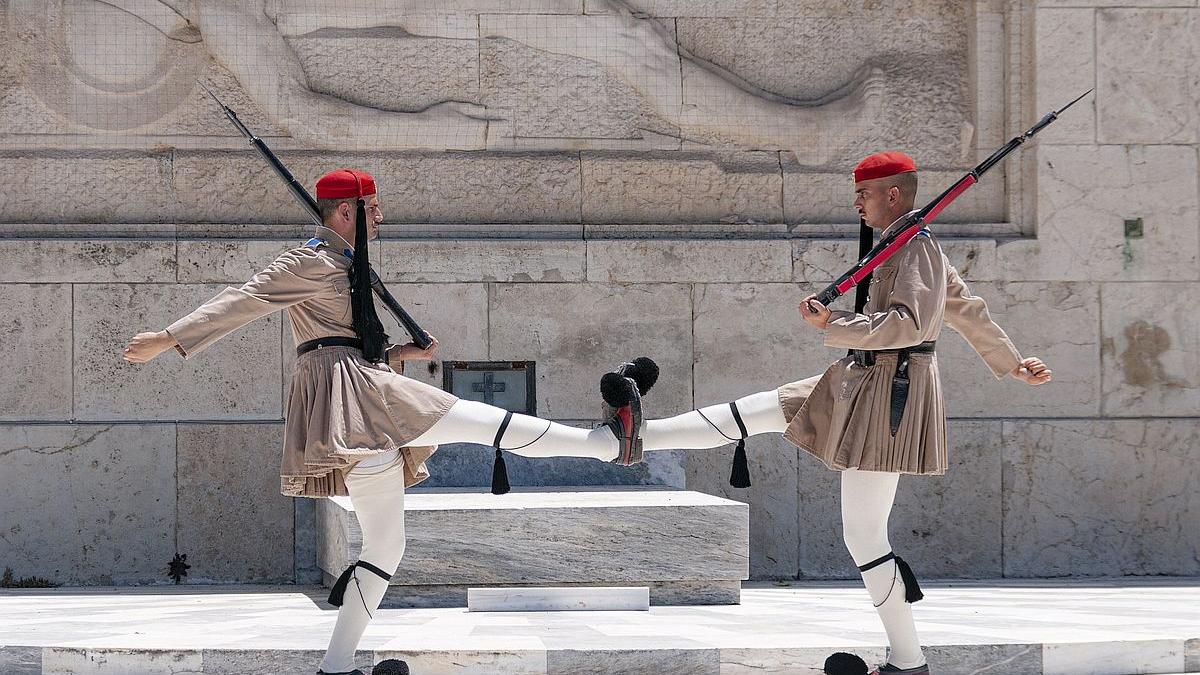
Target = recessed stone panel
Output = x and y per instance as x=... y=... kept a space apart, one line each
x=105 y=187
x=1086 y=195
x=1101 y=498
x=1066 y=66
x=236 y=378
x=229 y=482
x=695 y=260
x=1057 y=322
x=44 y=260
x=1148 y=87
x=35 y=333
x=1150 y=353
x=443 y=260
x=228 y=261
x=578 y=332
x=740 y=187
x=88 y=503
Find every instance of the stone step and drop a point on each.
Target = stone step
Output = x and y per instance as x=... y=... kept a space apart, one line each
x=686 y=547
x=573 y=599
x=1009 y=627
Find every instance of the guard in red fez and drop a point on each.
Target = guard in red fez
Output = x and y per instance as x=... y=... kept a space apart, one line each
x=355 y=425
x=878 y=412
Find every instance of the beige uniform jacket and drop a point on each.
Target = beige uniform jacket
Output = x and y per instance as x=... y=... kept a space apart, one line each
x=340 y=408
x=844 y=416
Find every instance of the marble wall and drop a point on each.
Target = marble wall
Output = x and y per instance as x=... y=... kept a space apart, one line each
x=549 y=200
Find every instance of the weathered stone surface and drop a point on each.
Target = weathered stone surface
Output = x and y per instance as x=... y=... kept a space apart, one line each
x=105 y=187
x=1133 y=656
x=1135 y=107
x=35 y=333
x=228 y=261
x=1191 y=656
x=86 y=261
x=683 y=187
x=820 y=261
x=504 y=658
x=695 y=260
x=578 y=332
x=1124 y=3
x=823 y=197
x=973 y=658
x=539 y=537
x=417 y=62
x=658 y=661
x=774 y=530
x=811 y=9
x=301 y=16
x=1150 y=355
x=1100 y=498
x=483 y=260
x=1085 y=195
x=110 y=661
x=789 y=661
x=237 y=378
x=566 y=81
x=414 y=187
x=1066 y=62
x=456 y=314
x=811 y=60
x=21 y=660
x=750 y=338
x=944 y=526
x=305 y=550
x=241 y=661
x=88 y=503
x=229 y=482
x=1058 y=322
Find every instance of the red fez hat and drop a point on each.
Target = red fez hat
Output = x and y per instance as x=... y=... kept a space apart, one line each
x=882 y=165
x=345 y=184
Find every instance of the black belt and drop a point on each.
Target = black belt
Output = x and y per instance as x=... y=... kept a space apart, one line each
x=866 y=357
x=332 y=341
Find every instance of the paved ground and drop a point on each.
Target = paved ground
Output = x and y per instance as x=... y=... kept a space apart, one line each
x=1115 y=627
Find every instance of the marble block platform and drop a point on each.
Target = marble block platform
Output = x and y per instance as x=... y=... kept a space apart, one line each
x=688 y=548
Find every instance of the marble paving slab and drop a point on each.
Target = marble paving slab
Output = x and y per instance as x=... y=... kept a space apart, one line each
x=1012 y=627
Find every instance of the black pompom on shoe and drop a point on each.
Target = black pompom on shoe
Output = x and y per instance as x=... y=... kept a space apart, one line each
x=842 y=663
x=390 y=667
x=617 y=390
x=644 y=372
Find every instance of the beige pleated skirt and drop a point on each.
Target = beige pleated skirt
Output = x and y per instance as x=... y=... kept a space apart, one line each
x=342 y=409
x=843 y=417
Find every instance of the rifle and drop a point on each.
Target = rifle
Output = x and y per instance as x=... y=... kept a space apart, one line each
x=913 y=222
x=419 y=336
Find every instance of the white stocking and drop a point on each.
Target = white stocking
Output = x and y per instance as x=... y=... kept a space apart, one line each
x=715 y=426
x=378 y=498
x=474 y=422
x=867 y=498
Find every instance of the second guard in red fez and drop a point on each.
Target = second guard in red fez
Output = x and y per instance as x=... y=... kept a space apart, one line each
x=354 y=424
x=878 y=412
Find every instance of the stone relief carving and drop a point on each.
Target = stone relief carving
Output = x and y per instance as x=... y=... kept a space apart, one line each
x=339 y=80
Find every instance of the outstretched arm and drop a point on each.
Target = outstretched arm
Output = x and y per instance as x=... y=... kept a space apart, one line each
x=293 y=277
x=968 y=315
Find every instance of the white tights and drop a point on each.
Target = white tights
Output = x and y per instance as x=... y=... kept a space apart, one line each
x=377 y=492
x=867 y=498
